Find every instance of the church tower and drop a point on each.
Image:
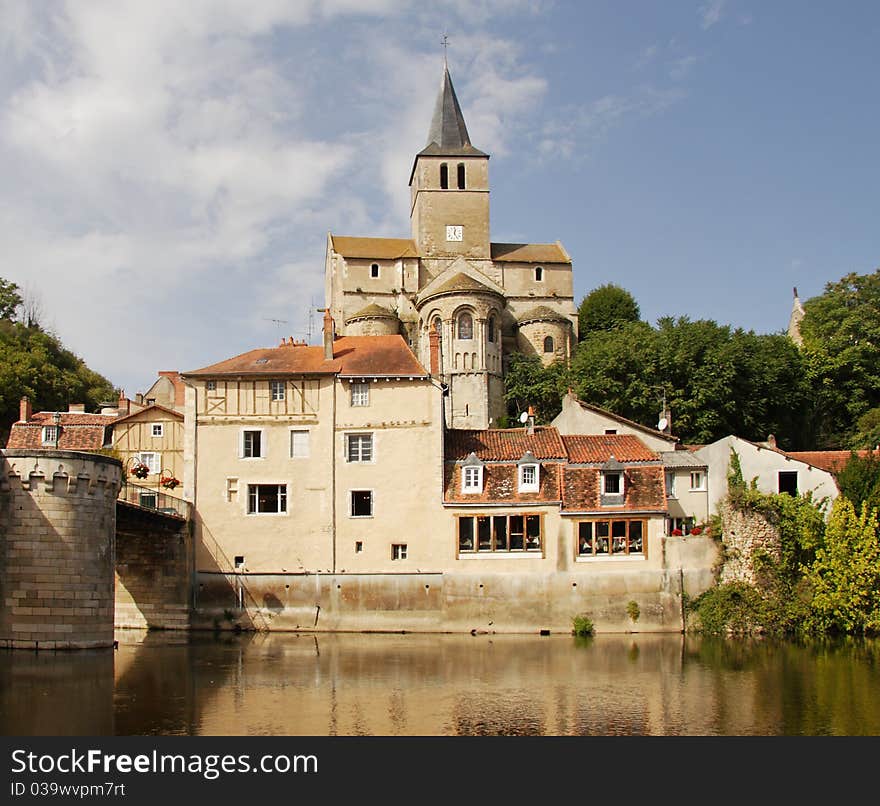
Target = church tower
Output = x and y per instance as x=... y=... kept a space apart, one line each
x=462 y=302
x=449 y=186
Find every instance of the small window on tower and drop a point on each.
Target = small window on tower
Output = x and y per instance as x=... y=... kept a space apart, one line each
x=444 y=176
x=548 y=344
x=461 y=176
x=374 y=270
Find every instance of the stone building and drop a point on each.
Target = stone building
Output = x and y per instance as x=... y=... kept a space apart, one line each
x=462 y=302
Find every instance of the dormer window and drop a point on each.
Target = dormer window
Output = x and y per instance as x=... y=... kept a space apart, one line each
x=472 y=475
x=528 y=474
x=612 y=484
x=50 y=434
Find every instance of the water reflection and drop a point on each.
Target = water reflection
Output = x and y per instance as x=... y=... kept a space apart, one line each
x=289 y=684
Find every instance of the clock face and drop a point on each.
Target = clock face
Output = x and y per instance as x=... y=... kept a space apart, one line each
x=454 y=232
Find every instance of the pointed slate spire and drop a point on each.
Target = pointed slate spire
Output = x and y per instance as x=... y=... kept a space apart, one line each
x=448 y=133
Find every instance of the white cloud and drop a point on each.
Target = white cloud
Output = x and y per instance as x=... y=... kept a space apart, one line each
x=710 y=13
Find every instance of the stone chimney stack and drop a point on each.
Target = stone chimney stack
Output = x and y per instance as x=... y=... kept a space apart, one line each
x=25 y=410
x=771 y=441
x=328 y=335
x=77 y=408
x=531 y=422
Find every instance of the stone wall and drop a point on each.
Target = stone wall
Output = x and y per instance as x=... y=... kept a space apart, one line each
x=57 y=524
x=743 y=534
x=153 y=570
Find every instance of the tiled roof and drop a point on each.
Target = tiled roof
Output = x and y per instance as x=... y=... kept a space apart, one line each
x=832 y=461
x=541 y=313
x=500 y=483
x=598 y=448
x=376 y=248
x=352 y=356
x=79 y=432
x=643 y=490
x=530 y=252
x=504 y=445
x=460 y=283
x=372 y=311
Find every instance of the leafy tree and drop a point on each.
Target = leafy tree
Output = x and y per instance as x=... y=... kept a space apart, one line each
x=841 y=345
x=859 y=480
x=10 y=299
x=529 y=383
x=845 y=576
x=868 y=430
x=606 y=308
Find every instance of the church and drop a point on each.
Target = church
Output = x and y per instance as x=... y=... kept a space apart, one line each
x=463 y=303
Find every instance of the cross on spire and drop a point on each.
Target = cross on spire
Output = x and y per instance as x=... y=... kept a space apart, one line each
x=445 y=43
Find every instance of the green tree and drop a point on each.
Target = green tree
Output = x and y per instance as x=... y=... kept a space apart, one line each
x=867 y=430
x=841 y=345
x=845 y=576
x=529 y=383
x=10 y=299
x=606 y=308
x=859 y=480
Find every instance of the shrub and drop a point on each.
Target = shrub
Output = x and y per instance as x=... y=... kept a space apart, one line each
x=582 y=625
x=633 y=611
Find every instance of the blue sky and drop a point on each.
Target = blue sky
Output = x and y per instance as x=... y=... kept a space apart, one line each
x=171 y=170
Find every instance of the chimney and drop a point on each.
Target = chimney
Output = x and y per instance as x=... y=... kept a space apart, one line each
x=77 y=408
x=25 y=410
x=122 y=405
x=328 y=335
x=531 y=422
x=771 y=441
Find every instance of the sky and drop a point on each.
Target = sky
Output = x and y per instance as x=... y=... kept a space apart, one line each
x=170 y=170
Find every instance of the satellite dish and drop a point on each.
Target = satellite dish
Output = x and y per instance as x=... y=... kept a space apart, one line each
x=661 y=426
x=523 y=417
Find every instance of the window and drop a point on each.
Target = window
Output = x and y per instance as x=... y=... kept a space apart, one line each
x=360 y=394
x=374 y=270
x=444 y=176
x=611 y=538
x=612 y=483
x=359 y=447
x=251 y=444
x=299 y=444
x=528 y=478
x=361 y=503
x=490 y=330
x=149 y=500
x=461 y=176
x=152 y=460
x=676 y=527
x=277 y=389
x=398 y=551
x=495 y=533
x=157 y=430
x=698 y=480
x=670 y=484
x=211 y=386
x=267 y=499
x=549 y=347
x=465 y=326
x=472 y=480
x=610 y=430
x=788 y=482
x=539 y=274
x=50 y=434
x=358 y=546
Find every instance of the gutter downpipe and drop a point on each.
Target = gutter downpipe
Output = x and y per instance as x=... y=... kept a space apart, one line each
x=192 y=524
x=333 y=471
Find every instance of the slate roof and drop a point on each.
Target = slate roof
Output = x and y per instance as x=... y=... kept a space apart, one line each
x=680 y=459
x=599 y=448
x=541 y=313
x=460 y=283
x=448 y=133
x=366 y=356
x=372 y=311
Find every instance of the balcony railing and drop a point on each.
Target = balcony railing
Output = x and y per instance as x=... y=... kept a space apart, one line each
x=151 y=498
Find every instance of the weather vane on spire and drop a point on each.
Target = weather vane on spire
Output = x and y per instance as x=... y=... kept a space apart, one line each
x=445 y=43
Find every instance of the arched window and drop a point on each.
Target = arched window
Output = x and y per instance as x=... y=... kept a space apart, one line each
x=490 y=330
x=461 y=176
x=548 y=344
x=465 y=326
x=539 y=274
x=444 y=175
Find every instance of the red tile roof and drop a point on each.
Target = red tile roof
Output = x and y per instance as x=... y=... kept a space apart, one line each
x=352 y=356
x=500 y=483
x=79 y=432
x=508 y=444
x=597 y=448
x=644 y=490
x=832 y=461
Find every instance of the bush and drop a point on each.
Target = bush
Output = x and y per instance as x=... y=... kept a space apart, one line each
x=582 y=626
x=633 y=611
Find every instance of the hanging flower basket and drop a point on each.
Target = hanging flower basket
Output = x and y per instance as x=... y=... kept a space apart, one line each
x=140 y=470
x=169 y=481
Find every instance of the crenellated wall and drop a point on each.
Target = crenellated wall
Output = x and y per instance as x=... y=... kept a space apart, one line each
x=57 y=549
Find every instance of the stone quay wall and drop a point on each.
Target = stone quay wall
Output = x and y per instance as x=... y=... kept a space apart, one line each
x=57 y=549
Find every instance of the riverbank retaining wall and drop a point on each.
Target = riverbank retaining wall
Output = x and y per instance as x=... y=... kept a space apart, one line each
x=57 y=536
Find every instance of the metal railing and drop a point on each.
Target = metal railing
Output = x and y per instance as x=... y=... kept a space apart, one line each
x=151 y=498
